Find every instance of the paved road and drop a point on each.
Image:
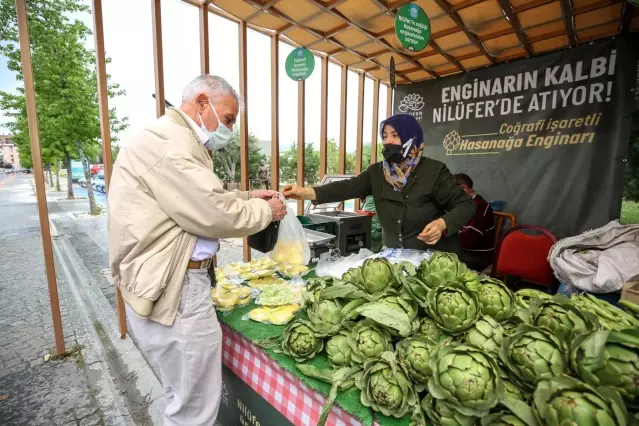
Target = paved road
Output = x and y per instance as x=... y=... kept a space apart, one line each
x=33 y=392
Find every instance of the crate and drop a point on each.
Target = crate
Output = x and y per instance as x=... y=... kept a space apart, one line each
x=630 y=292
x=325 y=226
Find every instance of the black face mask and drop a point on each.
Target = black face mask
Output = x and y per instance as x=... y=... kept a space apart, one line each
x=393 y=153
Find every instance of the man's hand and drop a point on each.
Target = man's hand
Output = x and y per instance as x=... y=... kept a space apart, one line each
x=264 y=194
x=298 y=193
x=432 y=233
x=278 y=208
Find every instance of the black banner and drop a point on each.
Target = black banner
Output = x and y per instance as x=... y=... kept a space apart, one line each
x=240 y=405
x=547 y=135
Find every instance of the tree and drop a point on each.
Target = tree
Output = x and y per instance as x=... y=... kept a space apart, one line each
x=226 y=162
x=65 y=85
x=288 y=164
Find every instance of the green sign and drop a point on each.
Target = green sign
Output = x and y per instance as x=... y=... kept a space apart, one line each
x=300 y=64
x=412 y=27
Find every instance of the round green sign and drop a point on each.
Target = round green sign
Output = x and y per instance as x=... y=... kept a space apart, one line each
x=412 y=27
x=300 y=64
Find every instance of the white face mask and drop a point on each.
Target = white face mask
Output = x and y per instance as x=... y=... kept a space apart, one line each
x=220 y=137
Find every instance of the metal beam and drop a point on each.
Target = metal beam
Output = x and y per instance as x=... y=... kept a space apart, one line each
x=158 y=60
x=204 y=38
x=389 y=101
x=569 y=20
x=324 y=118
x=244 y=134
x=359 y=149
x=38 y=175
x=510 y=14
x=374 y=130
x=301 y=148
x=626 y=17
x=275 y=120
x=472 y=37
x=341 y=166
x=105 y=131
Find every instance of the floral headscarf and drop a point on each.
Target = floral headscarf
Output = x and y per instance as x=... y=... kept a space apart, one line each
x=408 y=128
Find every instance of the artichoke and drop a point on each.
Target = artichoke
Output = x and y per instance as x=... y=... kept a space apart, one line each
x=440 y=268
x=496 y=299
x=368 y=341
x=560 y=316
x=566 y=401
x=610 y=317
x=453 y=307
x=441 y=413
x=338 y=351
x=470 y=280
x=417 y=289
x=527 y=295
x=301 y=340
x=532 y=354
x=353 y=276
x=392 y=312
x=326 y=316
x=428 y=328
x=386 y=387
x=377 y=275
x=414 y=354
x=511 y=412
x=486 y=334
x=609 y=358
x=510 y=388
x=466 y=377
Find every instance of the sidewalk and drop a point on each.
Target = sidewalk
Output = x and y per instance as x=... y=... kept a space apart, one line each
x=107 y=382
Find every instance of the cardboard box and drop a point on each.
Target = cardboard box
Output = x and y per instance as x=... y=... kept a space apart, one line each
x=630 y=292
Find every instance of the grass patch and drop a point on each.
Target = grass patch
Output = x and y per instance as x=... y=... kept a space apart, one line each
x=629 y=212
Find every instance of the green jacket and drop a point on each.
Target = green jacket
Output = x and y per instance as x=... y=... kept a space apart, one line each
x=430 y=193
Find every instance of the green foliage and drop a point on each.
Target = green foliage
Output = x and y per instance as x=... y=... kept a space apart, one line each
x=65 y=82
x=226 y=162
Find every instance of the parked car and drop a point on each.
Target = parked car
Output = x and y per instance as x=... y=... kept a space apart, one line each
x=96 y=169
x=97 y=183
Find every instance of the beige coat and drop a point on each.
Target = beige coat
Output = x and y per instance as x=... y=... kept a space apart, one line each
x=163 y=195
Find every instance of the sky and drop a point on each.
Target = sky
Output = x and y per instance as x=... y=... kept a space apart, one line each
x=128 y=42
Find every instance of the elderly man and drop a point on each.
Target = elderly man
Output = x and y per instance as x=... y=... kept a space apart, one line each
x=167 y=210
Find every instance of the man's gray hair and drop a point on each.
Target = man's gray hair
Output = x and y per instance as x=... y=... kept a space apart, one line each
x=213 y=85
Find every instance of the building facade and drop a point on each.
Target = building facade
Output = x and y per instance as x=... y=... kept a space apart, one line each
x=9 y=151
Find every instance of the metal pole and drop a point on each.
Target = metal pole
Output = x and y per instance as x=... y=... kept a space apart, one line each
x=324 y=118
x=374 y=133
x=105 y=132
x=38 y=177
x=301 y=149
x=244 y=134
x=275 y=115
x=360 y=129
x=158 y=60
x=204 y=37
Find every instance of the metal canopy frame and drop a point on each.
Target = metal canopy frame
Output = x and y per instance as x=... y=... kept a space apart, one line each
x=358 y=35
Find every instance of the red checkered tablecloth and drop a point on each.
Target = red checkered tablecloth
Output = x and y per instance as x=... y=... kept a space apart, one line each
x=296 y=401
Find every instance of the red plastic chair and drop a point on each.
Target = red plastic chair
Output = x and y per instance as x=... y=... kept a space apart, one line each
x=525 y=256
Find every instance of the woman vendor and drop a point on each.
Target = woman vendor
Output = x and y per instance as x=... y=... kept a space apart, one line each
x=419 y=203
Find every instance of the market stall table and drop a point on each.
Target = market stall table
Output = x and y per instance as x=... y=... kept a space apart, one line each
x=274 y=377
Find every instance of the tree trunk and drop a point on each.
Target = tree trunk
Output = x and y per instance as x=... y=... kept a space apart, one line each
x=50 y=176
x=94 y=209
x=70 y=195
x=57 y=176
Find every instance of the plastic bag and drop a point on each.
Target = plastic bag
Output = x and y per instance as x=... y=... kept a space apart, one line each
x=292 y=246
x=335 y=268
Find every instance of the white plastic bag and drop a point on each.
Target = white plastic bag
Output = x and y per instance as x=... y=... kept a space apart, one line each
x=291 y=246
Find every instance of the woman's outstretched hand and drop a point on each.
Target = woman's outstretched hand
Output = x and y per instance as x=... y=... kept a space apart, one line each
x=295 y=192
x=433 y=232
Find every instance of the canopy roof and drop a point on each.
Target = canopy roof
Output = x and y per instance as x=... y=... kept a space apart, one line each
x=466 y=34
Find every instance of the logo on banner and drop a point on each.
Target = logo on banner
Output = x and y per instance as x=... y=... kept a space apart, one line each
x=412 y=104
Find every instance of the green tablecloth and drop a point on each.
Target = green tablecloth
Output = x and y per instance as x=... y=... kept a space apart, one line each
x=349 y=401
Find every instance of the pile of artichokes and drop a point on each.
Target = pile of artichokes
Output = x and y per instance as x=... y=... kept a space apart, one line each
x=449 y=347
